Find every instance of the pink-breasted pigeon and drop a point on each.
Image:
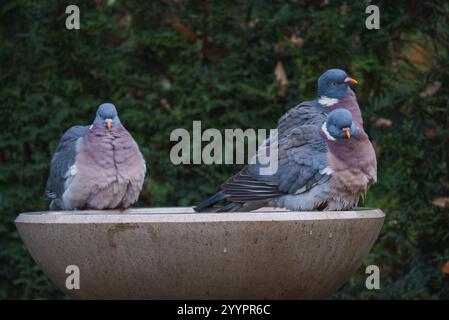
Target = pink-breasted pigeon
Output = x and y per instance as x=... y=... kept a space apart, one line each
x=306 y=163
x=96 y=167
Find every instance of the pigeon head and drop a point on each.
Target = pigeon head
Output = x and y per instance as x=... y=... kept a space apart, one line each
x=107 y=116
x=334 y=83
x=339 y=125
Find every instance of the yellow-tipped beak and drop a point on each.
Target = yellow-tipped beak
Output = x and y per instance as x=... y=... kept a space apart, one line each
x=347 y=133
x=351 y=81
x=108 y=123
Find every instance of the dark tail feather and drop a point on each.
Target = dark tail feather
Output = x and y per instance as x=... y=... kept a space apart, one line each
x=210 y=201
x=230 y=207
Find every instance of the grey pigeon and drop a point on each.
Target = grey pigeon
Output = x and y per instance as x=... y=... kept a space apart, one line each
x=351 y=167
x=96 y=167
x=303 y=156
x=333 y=92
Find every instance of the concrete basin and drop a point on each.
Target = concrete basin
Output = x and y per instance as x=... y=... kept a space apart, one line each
x=174 y=253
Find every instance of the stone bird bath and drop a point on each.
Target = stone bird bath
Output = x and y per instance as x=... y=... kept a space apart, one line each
x=174 y=253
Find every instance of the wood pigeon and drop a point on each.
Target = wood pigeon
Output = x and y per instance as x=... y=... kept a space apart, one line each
x=351 y=167
x=96 y=167
x=306 y=162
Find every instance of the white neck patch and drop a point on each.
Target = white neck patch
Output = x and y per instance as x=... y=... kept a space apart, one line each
x=328 y=171
x=326 y=101
x=328 y=135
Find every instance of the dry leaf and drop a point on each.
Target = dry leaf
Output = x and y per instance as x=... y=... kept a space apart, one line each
x=165 y=104
x=281 y=76
x=297 y=41
x=184 y=30
x=383 y=122
x=431 y=89
x=431 y=133
x=394 y=68
x=166 y=82
x=442 y=202
x=445 y=268
x=253 y=23
x=418 y=55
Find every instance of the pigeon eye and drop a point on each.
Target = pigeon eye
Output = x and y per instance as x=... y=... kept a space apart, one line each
x=333 y=83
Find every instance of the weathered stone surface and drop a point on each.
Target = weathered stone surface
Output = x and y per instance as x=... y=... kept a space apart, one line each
x=168 y=253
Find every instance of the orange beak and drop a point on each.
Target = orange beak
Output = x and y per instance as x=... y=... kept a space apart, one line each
x=347 y=133
x=108 y=123
x=351 y=81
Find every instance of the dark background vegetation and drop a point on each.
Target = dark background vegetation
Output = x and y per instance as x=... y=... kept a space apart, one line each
x=231 y=64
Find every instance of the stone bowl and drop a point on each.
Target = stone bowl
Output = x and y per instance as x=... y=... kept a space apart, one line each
x=175 y=253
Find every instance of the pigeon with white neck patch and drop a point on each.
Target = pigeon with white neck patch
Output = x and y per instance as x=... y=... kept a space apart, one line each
x=334 y=91
x=351 y=168
x=329 y=173
x=96 y=167
x=302 y=155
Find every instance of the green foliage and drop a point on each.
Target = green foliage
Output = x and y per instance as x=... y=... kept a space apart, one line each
x=167 y=63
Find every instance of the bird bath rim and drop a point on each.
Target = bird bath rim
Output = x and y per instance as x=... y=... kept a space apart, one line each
x=187 y=214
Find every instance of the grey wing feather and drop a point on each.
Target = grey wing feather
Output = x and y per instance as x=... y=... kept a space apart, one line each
x=302 y=155
x=302 y=159
x=63 y=159
x=306 y=113
x=246 y=186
